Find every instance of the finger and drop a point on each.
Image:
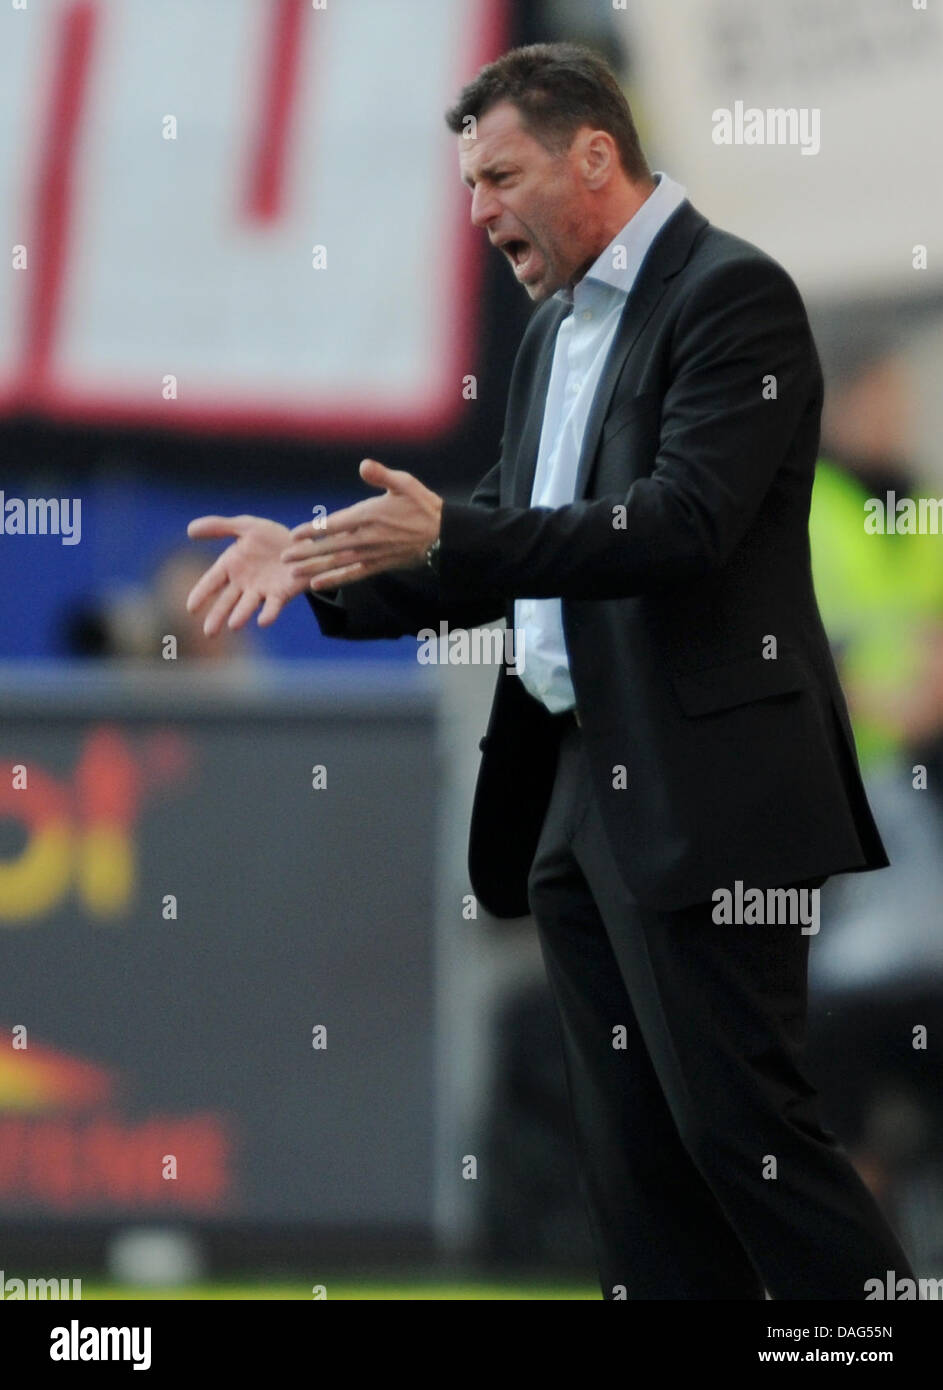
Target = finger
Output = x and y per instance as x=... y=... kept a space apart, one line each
x=344 y=519
x=298 y=550
x=271 y=608
x=244 y=609
x=335 y=577
x=366 y=554
x=378 y=475
x=330 y=524
x=213 y=580
x=380 y=563
x=221 y=610
x=202 y=527
x=365 y=540
x=305 y=529
x=334 y=560
x=361 y=570
x=324 y=544
x=351 y=547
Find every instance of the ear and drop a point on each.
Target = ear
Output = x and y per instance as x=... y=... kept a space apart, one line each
x=599 y=157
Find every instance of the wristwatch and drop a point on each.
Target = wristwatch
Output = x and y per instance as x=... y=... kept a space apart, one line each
x=432 y=555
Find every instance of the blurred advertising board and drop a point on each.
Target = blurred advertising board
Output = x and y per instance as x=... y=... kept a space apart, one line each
x=216 y=951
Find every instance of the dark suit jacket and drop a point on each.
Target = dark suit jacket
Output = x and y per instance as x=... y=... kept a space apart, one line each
x=704 y=431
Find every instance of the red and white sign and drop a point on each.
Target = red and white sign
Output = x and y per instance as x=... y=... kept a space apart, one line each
x=239 y=214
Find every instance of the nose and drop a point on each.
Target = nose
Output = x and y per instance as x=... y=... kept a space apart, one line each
x=485 y=207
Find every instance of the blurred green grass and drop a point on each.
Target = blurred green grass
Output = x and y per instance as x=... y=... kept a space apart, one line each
x=343 y=1289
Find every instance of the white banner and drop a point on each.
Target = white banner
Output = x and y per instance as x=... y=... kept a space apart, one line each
x=810 y=127
x=244 y=214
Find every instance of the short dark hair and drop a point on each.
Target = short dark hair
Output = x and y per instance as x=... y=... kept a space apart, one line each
x=557 y=88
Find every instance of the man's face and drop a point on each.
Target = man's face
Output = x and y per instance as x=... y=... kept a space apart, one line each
x=531 y=203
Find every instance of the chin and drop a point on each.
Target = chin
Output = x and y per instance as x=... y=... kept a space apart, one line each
x=539 y=291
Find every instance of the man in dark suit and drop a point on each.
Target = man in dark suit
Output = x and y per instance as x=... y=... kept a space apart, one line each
x=675 y=738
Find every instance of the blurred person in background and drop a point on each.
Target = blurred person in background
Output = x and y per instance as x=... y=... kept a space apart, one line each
x=132 y=620
x=173 y=580
x=877 y=970
x=646 y=357
x=880 y=595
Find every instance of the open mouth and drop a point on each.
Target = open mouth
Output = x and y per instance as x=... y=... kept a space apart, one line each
x=519 y=253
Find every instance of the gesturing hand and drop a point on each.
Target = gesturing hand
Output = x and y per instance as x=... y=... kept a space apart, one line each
x=247 y=573
x=383 y=533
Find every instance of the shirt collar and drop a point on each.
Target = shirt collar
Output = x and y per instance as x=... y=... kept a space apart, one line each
x=633 y=241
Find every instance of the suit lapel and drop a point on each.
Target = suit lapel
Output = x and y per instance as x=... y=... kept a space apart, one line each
x=530 y=436
x=667 y=255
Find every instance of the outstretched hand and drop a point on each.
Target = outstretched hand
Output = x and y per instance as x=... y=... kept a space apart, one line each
x=382 y=533
x=248 y=573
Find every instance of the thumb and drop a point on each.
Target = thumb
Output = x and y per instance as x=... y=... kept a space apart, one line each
x=378 y=475
x=203 y=527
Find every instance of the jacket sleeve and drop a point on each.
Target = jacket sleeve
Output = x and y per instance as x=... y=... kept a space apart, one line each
x=720 y=445
x=405 y=602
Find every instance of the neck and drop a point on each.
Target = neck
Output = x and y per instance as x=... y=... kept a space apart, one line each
x=626 y=205
x=613 y=218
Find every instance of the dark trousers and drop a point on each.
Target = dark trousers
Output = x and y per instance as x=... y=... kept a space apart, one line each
x=705 y=1169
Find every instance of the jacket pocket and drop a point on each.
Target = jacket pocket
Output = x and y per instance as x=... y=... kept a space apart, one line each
x=740 y=683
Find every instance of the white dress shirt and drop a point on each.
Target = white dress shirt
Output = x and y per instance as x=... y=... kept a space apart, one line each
x=583 y=341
